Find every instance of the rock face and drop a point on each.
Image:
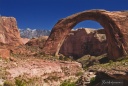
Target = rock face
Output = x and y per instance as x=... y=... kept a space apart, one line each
x=9 y=33
x=85 y=79
x=84 y=41
x=117 y=70
x=25 y=40
x=5 y=53
x=115 y=25
x=39 y=42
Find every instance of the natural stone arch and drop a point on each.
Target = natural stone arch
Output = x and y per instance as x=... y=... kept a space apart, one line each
x=114 y=23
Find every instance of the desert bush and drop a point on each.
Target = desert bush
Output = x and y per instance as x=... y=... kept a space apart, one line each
x=92 y=81
x=68 y=83
x=88 y=60
x=20 y=82
x=8 y=83
x=79 y=73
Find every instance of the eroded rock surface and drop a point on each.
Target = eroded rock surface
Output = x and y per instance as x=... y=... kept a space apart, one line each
x=42 y=72
x=9 y=33
x=37 y=41
x=5 y=53
x=83 y=42
x=115 y=24
x=117 y=70
x=25 y=40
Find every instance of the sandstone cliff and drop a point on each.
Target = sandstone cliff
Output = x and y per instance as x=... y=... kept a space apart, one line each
x=84 y=41
x=9 y=33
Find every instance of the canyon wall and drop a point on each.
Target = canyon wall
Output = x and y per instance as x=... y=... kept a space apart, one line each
x=83 y=42
x=9 y=33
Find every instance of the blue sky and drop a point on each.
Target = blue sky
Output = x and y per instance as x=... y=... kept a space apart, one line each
x=43 y=14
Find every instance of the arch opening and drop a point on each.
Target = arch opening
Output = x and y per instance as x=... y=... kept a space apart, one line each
x=117 y=46
x=88 y=24
x=86 y=38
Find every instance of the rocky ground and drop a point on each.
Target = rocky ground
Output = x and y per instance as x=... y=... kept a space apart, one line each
x=61 y=71
x=104 y=69
x=38 y=72
x=28 y=67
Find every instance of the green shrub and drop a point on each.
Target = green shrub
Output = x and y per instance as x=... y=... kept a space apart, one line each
x=110 y=61
x=52 y=78
x=20 y=82
x=92 y=81
x=68 y=83
x=79 y=73
x=8 y=83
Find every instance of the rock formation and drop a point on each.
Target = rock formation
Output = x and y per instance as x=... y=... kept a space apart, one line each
x=78 y=43
x=9 y=33
x=5 y=53
x=111 y=70
x=25 y=40
x=84 y=41
x=39 y=42
x=115 y=24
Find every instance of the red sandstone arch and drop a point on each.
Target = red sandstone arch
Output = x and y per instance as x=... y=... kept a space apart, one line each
x=114 y=23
